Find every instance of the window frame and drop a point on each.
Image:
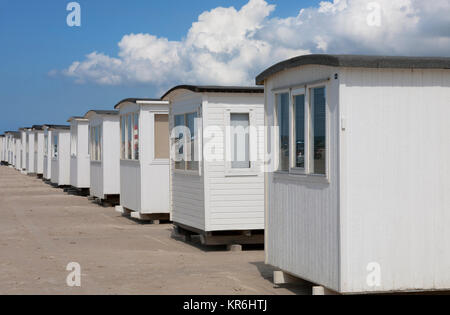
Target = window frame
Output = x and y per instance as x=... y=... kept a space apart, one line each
x=126 y=119
x=155 y=160
x=96 y=143
x=55 y=146
x=253 y=145
x=187 y=148
x=305 y=173
x=293 y=169
x=277 y=124
x=73 y=141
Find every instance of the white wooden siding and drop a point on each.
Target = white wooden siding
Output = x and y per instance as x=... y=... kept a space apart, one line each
x=105 y=174
x=39 y=155
x=80 y=162
x=187 y=191
x=302 y=236
x=233 y=202
x=396 y=178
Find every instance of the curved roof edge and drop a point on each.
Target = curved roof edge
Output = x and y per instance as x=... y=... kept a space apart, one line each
x=215 y=89
x=357 y=61
x=75 y=118
x=102 y=112
x=136 y=100
x=58 y=127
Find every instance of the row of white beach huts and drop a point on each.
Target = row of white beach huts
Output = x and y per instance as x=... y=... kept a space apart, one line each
x=343 y=170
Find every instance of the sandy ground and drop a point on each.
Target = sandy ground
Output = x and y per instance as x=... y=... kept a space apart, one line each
x=43 y=229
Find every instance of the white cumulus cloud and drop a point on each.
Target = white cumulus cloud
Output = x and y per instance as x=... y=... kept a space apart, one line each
x=230 y=47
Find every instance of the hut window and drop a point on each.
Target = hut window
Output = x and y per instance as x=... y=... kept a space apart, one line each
x=129 y=137
x=179 y=143
x=46 y=145
x=192 y=163
x=55 y=146
x=73 y=142
x=35 y=143
x=96 y=143
x=136 y=136
x=318 y=131
x=299 y=131
x=129 y=129
x=282 y=115
x=186 y=142
x=122 y=137
x=161 y=137
x=240 y=141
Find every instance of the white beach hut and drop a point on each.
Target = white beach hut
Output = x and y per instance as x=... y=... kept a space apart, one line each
x=47 y=154
x=38 y=156
x=23 y=151
x=359 y=202
x=80 y=164
x=11 y=137
x=29 y=151
x=144 y=159
x=18 y=151
x=216 y=178
x=104 y=144
x=2 y=149
x=58 y=139
x=6 y=154
x=47 y=176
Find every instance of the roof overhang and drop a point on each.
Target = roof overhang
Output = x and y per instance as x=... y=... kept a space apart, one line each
x=215 y=89
x=91 y=113
x=141 y=101
x=356 y=61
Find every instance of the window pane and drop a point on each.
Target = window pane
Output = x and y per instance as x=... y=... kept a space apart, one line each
x=136 y=136
x=130 y=137
x=96 y=142
x=319 y=131
x=283 y=124
x=240 y=138
x=299 y=109
x=161 y=136
x=46 y=145
x=122 y=137
x=55 y=146
x=192 y=163
x=179 y=143
x=35 y=143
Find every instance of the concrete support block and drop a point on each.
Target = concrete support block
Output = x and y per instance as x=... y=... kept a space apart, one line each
x=234 y=248
x=318 y=291
x=281 y=277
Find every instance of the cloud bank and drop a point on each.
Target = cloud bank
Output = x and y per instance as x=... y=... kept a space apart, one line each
x=227 y=46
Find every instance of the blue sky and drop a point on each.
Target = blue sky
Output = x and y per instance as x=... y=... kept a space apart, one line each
x=36 y=39
x=36 y=42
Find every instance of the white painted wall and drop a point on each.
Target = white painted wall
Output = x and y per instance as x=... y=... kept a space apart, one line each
x=60 y=173
x=233 y=201
x=18 y=154
x=186 y=190
x=302 y=234
x=30 y=153
x=23 y=150
x=396 y=178
x=47 y=154
x=1 y=148
x=80 y=162
x=105 y=174
x=39 y=154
